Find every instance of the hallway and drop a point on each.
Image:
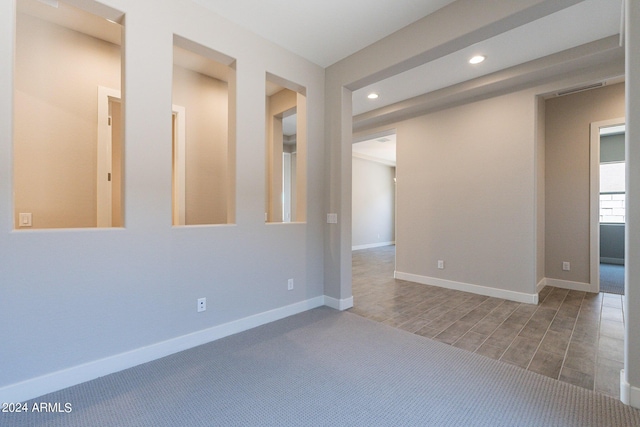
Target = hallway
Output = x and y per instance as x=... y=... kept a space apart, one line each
x=572 y=336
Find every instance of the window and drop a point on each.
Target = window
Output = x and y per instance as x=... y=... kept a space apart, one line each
x=612 y=192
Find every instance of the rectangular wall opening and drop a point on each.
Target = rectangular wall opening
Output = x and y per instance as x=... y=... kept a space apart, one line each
x=203 y=165
x=286 y=147
x=64 y=58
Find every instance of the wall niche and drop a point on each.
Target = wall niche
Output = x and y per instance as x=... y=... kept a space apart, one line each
x=203 y=125
x=286 y=148
x=67 y=116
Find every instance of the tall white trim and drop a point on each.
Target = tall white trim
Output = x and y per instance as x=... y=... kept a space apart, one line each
x=338 y=304
x=179 y=165
x=629 y=395
x=594 y=200
x=632 y=229
x=104 y=153
x=469 y=287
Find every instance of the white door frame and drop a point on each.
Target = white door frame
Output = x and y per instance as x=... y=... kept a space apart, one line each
x=286 y=187
x=179 y=166
x=594 y=208
x=104 y=190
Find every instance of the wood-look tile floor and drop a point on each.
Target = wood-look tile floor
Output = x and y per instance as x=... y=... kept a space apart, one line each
x=572 y=336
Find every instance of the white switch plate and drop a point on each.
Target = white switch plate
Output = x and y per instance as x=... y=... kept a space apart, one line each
x=566 y=266
x=25 y=220
x=202 y=304
x=332 y=218
x=440 y=264
x=290 y=284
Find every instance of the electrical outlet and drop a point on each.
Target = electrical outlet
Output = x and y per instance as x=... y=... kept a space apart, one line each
x=566 y=266
x=290 y=284
x=440 y=264
x=202 y=304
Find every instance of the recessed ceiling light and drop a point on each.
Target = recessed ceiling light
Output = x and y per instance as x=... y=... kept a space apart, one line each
x=372 y=95
x=477 y=59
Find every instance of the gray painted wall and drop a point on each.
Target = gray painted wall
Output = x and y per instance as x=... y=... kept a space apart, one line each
x=612 y=243
x=568 y=120
x=71 y=296
x=466 y=194
x=373 y=203
x=540 y=190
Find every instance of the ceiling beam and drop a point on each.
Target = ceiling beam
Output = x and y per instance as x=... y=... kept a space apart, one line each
x=455 y=26
x=603 y=58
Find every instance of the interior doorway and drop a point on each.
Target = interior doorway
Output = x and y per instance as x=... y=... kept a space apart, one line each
x=373 y=198
x=608 y=201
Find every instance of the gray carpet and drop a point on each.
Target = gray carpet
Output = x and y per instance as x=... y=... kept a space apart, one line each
x=612 y=279
x=328 y=368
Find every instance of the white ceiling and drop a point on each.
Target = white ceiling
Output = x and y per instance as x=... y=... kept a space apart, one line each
x=323 y=31
x=73 y=18
x=381 y=149
x=585 y=22
x=327 y=31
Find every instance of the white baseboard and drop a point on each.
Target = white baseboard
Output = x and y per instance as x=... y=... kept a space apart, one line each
x=54 y=381
x=574 y=286
x=372 y=245
x=338 y=304
x=629 y=395
x=468 y=287
x=541 y=284
x=606 y=260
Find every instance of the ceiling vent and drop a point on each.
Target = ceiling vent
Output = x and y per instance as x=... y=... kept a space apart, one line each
x=383 y=140
x=580 y=89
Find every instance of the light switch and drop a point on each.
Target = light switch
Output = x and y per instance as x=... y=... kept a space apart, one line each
x=25 y=220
